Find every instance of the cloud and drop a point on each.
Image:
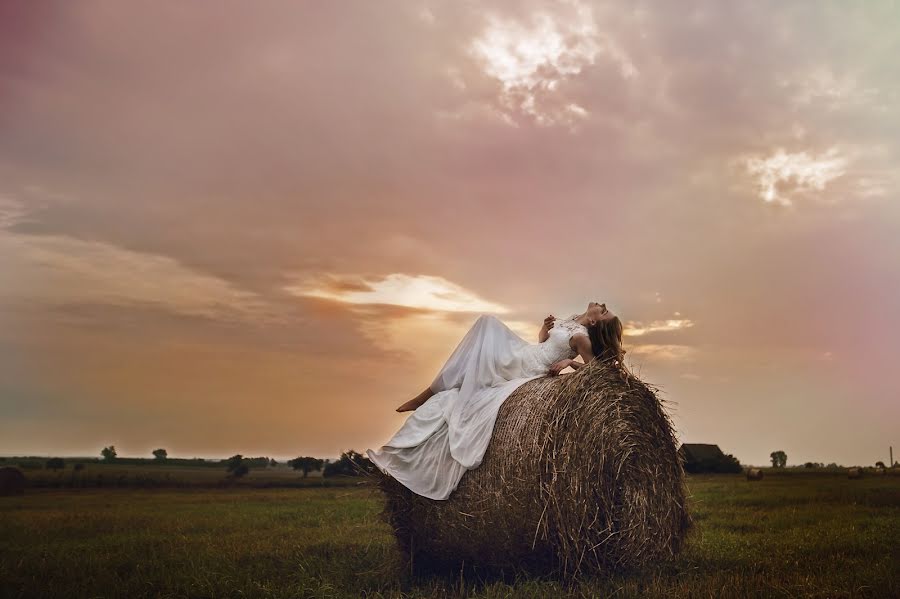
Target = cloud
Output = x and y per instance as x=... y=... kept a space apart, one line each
x=666 y=352
x=60 y=269
x=637 y=329
x=12 y=212
x=783 y=175
x=531 y=60
x=506 y=148
x=397 y=289
x=822 y=85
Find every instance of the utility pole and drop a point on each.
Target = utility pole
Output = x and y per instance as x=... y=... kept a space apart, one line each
x=892 y=456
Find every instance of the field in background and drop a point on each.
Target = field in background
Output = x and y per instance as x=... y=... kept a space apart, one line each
x=150 y=474
x=797 y=534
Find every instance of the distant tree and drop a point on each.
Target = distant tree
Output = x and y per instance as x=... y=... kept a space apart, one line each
x=109 y=453
x=880 y=464
x=56 y=464
x=306 y=464
x=273 y=463
x=160 y=454
x=236 y=466
x=809 y=465
x=261 y=462
x=350 y=463
x=724 y=464
x=779 y=459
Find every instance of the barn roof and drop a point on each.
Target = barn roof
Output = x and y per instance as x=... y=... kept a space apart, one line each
x=701 y=451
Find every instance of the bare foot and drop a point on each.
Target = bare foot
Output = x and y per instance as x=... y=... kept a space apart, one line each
x=416 y=401
x=410 y=405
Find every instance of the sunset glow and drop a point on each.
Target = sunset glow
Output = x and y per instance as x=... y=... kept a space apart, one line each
x=258 y=230
x=635 y=329
x=426 y=292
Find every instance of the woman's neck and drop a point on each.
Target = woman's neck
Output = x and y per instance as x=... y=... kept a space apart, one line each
x=582 y=319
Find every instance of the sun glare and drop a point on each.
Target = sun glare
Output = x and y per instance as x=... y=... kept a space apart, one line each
x=636 y=329
x=397 y=289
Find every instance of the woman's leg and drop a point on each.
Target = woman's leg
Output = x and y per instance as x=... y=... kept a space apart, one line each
x=416 y=401
x=454 y=369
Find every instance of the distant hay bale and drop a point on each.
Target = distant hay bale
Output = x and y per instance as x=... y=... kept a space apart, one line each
x=582 y=475
x=754 y=474
x=854 y=473
x=12 y=481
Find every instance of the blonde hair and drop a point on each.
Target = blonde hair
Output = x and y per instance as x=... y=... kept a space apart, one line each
x=606 y=341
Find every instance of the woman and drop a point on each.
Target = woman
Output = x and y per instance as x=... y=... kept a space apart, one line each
x=452 y=420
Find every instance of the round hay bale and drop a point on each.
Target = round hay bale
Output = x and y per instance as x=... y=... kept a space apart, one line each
x=582 y=475
x=12 y=481
x=854 y=473
x=754 y=474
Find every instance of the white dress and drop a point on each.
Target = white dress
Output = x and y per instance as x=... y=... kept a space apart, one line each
x=450 y=432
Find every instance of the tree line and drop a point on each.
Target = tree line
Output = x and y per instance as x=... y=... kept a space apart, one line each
x=350 y=463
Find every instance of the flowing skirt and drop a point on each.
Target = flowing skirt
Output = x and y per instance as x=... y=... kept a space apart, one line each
x=450 y=432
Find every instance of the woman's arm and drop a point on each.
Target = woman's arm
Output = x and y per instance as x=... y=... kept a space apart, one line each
x=584 y=349
x=583 y=346
x=544 y=333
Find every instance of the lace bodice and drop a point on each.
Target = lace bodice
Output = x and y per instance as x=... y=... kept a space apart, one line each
x=538 y=357
x=571 y=326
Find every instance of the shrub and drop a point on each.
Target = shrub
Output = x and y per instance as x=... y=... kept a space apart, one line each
x=350 y=463
x=236 y=466
x=306 y=464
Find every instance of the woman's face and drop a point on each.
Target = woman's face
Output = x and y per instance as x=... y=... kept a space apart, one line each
x=598 y=312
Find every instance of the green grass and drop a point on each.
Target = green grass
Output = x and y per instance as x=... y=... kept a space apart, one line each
x=151 y=475
x=785 y=536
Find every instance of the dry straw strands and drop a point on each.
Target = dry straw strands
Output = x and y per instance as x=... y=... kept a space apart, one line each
x=582 y=475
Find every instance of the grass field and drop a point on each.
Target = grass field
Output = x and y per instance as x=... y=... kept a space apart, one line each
x=152 y=475
x=794 y=535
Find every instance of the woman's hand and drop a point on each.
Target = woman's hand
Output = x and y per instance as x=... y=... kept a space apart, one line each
x=544 y=333
x=557 y=367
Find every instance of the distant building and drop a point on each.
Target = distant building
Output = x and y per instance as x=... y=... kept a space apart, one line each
x=695 y=452
x=706 y=457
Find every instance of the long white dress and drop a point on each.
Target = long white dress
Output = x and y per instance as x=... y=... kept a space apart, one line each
x=450 y=432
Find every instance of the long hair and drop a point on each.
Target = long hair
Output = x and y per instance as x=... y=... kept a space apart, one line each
x=606 y=341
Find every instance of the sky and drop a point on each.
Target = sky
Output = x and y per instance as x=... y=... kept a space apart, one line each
x=260 y=229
